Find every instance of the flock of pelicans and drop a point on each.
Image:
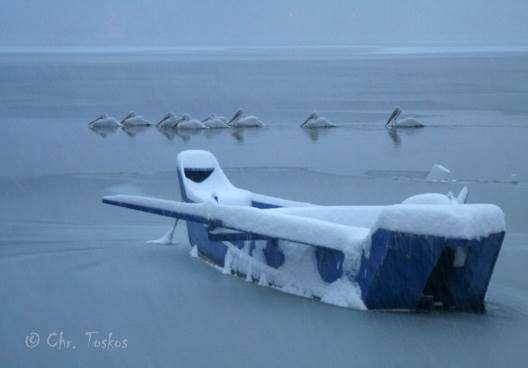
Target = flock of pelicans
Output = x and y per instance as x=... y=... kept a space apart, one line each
x=173 y=121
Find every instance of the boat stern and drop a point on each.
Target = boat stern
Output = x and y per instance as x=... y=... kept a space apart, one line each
x=414 y=270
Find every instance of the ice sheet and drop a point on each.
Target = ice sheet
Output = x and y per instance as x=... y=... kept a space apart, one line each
x=69 y=263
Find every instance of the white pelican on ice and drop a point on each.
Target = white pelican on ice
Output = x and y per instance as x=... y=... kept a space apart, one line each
x=134 y=120
x=170 y=120
x=104 y=121
x=187 y=123
x=315 y=121
x=237 y=121
x=215 y=122
x=393 y=121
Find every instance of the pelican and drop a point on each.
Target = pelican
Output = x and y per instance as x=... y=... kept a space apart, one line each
x=104 y=121
x=315 y=121
x=393 y=121
x=187 y=123
x=134 y=120
x=170 y=120
x=215 y=122
x=237 y=121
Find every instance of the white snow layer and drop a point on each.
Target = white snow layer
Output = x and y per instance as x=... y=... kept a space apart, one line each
x=429 y=198
x=360 y=216
x=428 y=214
x=193 y=252
x=466 y=221
x=344 y=293
x=452 y=221
x=263 y=222
x=297 y=276
x=197 y=159
x=217 y=186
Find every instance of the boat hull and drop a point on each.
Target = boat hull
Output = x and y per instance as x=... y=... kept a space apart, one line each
x=399 y=271
x=409 y=271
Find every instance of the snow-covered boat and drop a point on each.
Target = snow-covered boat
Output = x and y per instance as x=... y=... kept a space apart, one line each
x=419 y=254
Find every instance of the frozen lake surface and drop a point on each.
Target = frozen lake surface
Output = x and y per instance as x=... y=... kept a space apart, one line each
x=70 y=264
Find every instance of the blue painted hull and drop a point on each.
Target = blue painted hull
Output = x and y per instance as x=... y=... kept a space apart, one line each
x=408 y=271
x=401 y=271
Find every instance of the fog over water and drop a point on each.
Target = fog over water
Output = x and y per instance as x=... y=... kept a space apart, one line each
x=253 y=22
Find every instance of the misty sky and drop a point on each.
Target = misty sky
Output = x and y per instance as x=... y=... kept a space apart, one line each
x=259 y=22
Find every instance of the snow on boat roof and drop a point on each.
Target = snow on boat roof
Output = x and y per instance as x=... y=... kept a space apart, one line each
x=197 y=159
x=428 y=214
x=216 y=185
x=361 y=216
x=465 y=221
x=335 y=227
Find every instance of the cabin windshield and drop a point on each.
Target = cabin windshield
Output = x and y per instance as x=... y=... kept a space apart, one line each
x=198 y=175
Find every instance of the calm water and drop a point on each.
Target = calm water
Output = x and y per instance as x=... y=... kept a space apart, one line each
x=68 y=263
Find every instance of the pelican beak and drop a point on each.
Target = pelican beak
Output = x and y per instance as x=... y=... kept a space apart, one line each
x=162 y=120
x=393 y=116
x=129 y=115
x=306 y=121
x=236 y=116
x=93 y=121
x=182 y=118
